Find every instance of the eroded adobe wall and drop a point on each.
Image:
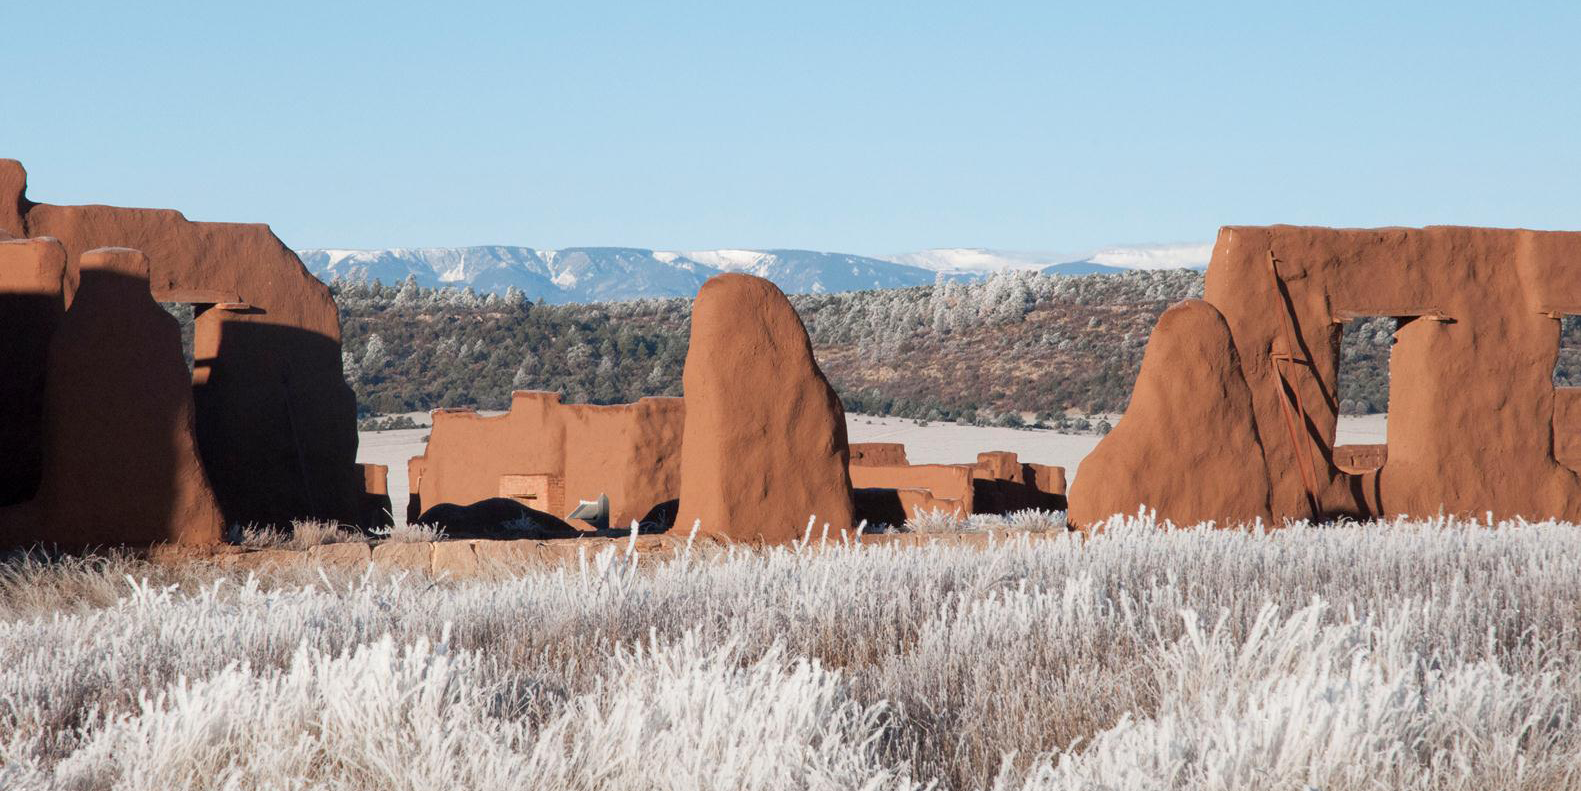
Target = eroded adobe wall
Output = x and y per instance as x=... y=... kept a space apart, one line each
x=997 y=483
x=120 y=460
x=944 y=481
x=765 y=445
x=275 y=419
x=878 y=454
x=1472 y=403
x=1188 y=445
x=631 y=452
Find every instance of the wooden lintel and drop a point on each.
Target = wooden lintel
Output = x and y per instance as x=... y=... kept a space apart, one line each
x=1346 y=314
x=196 y=296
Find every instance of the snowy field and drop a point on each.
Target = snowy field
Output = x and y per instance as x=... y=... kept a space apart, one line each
x=1403 y=656
x=937 y=443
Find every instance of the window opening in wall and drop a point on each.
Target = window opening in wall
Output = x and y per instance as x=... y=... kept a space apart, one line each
x=1362 y=390
x=1567 y=394
x=1567 y=368
x=184 y=314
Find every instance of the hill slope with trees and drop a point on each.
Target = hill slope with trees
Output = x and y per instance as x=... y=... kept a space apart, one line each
x=982 y=351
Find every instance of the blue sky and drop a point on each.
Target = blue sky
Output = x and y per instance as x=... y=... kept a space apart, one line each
x=860 y=127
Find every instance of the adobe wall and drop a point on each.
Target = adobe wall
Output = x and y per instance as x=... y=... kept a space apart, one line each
x=276 y=421
x=944 y=481
x=117 y=456
x=1474 y=417
x=997 y=483
x=1046 y=478
x=765 y=450
x=376 y=510
x=878 y=454
x=631 y=452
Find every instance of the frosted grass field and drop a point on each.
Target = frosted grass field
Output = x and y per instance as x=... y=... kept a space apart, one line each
x=1408 y=655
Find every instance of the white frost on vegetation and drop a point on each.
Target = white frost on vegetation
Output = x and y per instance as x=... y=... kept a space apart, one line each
x=1031 y=520
x=1426 y=655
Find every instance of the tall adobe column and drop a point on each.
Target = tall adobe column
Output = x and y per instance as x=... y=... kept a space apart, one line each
x=764 y=446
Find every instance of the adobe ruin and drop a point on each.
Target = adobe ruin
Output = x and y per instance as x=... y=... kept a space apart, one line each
x=1233 y=416
x=755 y=448
x=878 y=454
x=765 y=445
x=273 y=419
x=548 y=456
x=997 y=483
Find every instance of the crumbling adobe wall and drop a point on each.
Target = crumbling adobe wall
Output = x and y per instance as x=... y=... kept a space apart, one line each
x=765 y=444
x=119 y=461
x=631 y=452
x=878 y=454
x=1472 y=409
x=1188 y=445
x=276 y=421
x=945 y=481
x=997 y=483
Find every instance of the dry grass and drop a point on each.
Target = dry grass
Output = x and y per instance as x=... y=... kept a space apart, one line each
x=302 y=535
x=1031 y=521
x=1433 y=655
x=410 y=534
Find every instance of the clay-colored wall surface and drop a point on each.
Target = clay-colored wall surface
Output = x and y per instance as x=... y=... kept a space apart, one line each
x=1046 y=478
x=878 y=454
x=276 y=421
x=631 y=452
x=945 y=481
x=765 y=445
x=119 y=455
x=998 y=465
x=374 y=500
x=997 y=483
x=1473 y=424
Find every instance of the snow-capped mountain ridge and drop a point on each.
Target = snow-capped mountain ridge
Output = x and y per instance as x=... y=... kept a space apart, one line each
x=984 y=261
x=587 y=274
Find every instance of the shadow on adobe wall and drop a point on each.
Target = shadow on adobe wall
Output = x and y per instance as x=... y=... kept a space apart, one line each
x=275 y=450
x=105 y=453
x=27 y=322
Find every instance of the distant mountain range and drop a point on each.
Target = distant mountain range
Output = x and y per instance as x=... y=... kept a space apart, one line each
x=597 y=274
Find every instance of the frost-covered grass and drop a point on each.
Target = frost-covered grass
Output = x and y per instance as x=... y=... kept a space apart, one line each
x=1431 y=655
x=410 y=533
x=302 y=535
x=1031 y=520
